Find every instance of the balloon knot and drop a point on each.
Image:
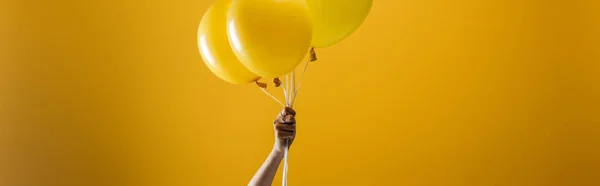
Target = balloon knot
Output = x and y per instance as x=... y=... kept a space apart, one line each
x=261 y=85
x=277 y=82
x=313 y=55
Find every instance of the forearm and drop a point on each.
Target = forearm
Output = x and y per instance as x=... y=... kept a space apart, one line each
x=285 y=132
x=265 y=175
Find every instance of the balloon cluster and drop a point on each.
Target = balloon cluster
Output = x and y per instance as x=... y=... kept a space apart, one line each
x=242 y=41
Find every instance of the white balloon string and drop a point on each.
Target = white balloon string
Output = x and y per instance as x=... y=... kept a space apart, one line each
x=285 y=93
x=300 y=82
x=290 y=89
x=269 y=94
x=285 y=161
x=293 y=88
x=287 y=89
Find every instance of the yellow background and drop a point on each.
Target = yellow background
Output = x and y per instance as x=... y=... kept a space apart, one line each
x=434 y=92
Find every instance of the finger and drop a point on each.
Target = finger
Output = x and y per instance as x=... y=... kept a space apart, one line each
x=289 y=119
x=284 y=135
x=287 y=131
x=287 y=111
x=279 y=120
x=285 y=127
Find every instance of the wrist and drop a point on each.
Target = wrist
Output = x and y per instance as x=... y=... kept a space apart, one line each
x=278 y=149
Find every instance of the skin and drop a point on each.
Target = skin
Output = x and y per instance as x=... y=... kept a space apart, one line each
x=285 y=128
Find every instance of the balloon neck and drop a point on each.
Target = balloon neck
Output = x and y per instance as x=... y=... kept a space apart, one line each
x=277 y=82
x=261 y=85
x=313 y=54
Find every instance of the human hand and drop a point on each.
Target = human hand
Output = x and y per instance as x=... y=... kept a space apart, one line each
x=285 y=128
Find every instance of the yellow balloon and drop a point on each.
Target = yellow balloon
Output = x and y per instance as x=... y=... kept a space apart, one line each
x=213 y=44
x=270 y=37
x=334 y=20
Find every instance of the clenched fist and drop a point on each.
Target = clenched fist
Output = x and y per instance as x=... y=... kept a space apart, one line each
x=285 y=128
